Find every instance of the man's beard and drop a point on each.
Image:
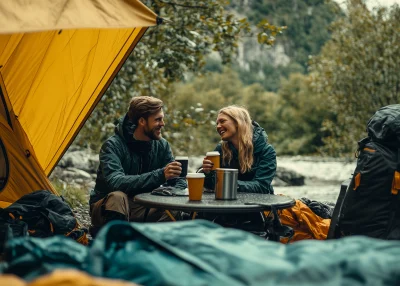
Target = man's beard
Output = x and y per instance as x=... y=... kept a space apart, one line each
x=151 y=133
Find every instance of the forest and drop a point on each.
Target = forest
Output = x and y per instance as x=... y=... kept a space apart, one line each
x=310 y=72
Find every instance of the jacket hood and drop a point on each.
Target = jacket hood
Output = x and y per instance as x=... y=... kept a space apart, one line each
x=260 y=137
x=125 y=128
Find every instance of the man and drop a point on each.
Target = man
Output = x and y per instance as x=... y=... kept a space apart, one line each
x=135 y=160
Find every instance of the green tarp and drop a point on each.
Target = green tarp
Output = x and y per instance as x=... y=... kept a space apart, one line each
x=202 y=253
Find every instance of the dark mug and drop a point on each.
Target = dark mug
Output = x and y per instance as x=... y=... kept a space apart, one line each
x=184 y=160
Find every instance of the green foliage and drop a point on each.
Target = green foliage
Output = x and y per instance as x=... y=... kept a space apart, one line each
x=292 y=118
x=200 y=100
x=307 y=23
x=299 y=116
x=357 y=72
x=195 y=105
x=269 y=76
x=167 y=54
x=73 y=196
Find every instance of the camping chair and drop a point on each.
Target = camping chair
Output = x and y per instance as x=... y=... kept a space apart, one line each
x=333 y=231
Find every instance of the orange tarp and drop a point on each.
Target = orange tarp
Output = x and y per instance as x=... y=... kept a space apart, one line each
x=305 y=223
x=64 y=277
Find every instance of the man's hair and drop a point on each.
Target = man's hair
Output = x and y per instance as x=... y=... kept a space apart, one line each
x=143 y=106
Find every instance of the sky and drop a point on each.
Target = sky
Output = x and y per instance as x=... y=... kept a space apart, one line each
x=373 y=3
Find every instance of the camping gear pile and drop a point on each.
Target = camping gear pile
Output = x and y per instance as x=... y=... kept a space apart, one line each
x=57 y=58
x=39 y=214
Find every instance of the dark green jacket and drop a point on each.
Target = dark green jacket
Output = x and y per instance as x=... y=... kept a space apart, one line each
x=259 y=178
x=122 y=162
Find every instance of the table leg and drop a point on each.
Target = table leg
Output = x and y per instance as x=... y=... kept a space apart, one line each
x=275 y=230
x=146 y=213
x=194 y=214
x=269 y=226
x=170 y=215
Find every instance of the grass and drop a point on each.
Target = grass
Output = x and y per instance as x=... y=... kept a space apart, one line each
x=75 y=197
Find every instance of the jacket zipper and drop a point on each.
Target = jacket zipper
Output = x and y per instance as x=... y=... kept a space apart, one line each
x=141 y=164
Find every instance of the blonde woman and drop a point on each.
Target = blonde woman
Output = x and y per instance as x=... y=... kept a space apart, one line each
x=245 y=147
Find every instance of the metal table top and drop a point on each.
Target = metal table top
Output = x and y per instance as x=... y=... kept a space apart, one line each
x=245 y=202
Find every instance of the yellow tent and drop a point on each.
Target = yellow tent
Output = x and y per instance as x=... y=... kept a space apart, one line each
x=57 y=58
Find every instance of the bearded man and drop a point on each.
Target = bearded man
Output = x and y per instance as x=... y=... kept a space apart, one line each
x=135 y=160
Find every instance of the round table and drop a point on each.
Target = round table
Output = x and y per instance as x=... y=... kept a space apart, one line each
x=245 y=202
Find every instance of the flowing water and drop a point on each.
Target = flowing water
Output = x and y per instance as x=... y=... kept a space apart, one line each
x=323 y=177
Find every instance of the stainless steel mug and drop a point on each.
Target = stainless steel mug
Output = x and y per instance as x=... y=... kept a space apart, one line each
x=226 y=184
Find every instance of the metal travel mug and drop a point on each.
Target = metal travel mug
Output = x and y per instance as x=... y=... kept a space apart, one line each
x=226 y=184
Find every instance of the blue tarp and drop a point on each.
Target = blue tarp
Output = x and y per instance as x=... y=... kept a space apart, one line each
x=202 y=253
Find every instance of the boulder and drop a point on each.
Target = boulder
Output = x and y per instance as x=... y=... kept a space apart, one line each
x=80 y=159
x=290 y=177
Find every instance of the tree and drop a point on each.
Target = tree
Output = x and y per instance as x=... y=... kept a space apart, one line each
x=195 y=105
x=299 y=116
x=168 y=53
x=358 y=71
x=307 y=23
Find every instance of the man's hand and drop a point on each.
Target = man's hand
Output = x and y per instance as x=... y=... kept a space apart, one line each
x=172 y=170
x=207 y=165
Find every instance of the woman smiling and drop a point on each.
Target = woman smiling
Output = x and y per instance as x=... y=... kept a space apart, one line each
x=245 y=147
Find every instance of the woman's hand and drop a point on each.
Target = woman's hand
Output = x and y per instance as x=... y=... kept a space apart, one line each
x=207 y=165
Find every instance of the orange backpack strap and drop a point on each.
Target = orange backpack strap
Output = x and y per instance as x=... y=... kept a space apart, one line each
x=396 y=176
x=357 y=181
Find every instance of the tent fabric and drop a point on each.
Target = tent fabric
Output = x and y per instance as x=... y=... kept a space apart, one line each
x=57 y=58
x=25 y=173
x=202 y=253
x=45 y=15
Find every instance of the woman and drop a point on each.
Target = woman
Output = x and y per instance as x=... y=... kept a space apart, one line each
x=245 y=147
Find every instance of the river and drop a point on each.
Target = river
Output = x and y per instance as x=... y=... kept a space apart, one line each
x=323 y=176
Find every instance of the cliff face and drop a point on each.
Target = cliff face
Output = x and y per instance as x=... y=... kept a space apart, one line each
x=307 y=30
x=250 y=51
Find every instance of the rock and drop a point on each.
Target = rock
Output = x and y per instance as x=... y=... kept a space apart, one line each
x=290 y=177
x=82 y=215
x=278 y=182
x=91 y=185
x=78 y=174
x=80 y=159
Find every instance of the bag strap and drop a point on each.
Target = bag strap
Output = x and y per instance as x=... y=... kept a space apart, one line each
x=361 y=145
x=398 y=160
x=334 y=226
x=396 y=177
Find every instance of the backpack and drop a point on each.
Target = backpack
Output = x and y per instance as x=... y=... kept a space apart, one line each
x=371 y=206
x=45 y=215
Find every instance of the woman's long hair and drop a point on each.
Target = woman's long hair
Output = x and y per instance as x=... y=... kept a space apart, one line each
x=241 y=117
